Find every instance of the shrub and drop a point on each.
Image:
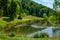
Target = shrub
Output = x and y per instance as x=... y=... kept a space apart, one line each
x=41 y=35
x=6 y=19
x=12 y=35
x=19 y=17
x=36 y=36
x=3 y=24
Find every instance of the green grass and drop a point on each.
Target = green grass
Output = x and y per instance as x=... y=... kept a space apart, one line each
x=2 y=24
x=4 y=36
x=24 y=19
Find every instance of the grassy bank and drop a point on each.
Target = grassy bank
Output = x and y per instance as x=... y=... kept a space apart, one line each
x=4 y=36
x=21 y=30
x=26 y=19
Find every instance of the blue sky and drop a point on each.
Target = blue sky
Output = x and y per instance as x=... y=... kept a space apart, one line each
x=48 y=3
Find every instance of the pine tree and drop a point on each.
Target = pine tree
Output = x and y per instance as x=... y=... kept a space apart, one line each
x=12 y=10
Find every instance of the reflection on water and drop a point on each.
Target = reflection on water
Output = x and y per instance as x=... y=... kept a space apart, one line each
x=51 y=31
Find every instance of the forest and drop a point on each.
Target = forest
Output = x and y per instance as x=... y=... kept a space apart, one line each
x=12 y=8
x=25 y=13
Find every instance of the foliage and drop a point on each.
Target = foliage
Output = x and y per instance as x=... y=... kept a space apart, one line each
x=1 y=13
x=3 y=24
x=35 y=9
x=25 y=8
x=19 y=17
x=36 y=36
x=3 y=5
x=56 y=4
x=5 y=36
x=9 y=8
x=12 y=35
x=39 y=10
x=41 y=35
x=12 y=10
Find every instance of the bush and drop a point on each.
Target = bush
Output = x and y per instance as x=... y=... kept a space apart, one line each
x=19 y=17
x=41 y=35
x=1 y=12
x=12 y=35
x=6 y=19
x=3 y=24
x=36 y=36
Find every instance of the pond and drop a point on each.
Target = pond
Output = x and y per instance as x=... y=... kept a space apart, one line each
x=51 y=31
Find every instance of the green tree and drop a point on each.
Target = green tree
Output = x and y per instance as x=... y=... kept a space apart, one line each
x=56 y=4
x=12 y=10
x=1 y=12
x=3 y=5
x=45 y=19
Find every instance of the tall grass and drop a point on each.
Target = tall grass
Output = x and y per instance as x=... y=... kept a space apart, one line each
x=3 y=24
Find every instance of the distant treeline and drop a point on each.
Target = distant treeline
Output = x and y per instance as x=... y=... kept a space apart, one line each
x=36 y=9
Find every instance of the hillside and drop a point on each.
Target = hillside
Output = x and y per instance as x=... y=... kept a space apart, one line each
x=35 y=9
x=39 y=10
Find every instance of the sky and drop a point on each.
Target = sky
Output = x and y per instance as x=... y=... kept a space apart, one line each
x=48 y=3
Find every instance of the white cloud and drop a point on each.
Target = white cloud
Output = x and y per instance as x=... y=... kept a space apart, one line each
x=48 y=3
x=46 y=0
